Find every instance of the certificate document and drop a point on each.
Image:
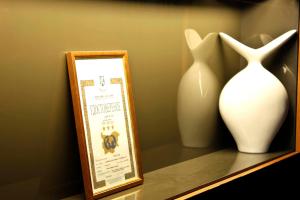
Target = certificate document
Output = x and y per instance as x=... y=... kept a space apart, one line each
x=107 y=122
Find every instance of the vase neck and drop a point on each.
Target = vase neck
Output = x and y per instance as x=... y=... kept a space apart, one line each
x=200 y=64
x=254 y=64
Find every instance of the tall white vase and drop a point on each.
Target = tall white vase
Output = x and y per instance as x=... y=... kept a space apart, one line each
x=198 y=92
x=254 y=103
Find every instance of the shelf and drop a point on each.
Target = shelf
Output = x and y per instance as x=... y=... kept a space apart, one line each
x=180 y=178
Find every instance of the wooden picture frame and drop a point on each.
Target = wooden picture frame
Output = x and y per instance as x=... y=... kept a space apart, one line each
x=105 y=121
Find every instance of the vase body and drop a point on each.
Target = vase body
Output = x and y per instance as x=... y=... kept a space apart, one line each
x=197 y=100
x=254 y=103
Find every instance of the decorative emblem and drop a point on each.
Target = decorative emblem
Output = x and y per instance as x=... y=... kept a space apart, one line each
x=101 y=81
x=110 y=142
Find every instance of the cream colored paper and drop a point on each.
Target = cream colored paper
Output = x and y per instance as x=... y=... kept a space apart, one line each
x=107 y=122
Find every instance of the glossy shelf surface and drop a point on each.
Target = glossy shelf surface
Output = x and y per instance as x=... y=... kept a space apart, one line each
x=185 y=176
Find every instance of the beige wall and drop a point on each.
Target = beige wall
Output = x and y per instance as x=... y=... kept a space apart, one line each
x=38 y=143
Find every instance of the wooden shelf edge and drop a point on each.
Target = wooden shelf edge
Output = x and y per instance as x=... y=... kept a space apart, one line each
x=298 y=96
x=236 y=176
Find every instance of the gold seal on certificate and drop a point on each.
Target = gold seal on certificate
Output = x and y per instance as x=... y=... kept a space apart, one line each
x=105 y=121
x=110 y=142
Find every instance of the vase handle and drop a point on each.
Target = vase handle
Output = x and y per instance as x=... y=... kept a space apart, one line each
x=200 y=48
x=242 y=49
x=193 y=39
x=275 y=44
x=257 y=54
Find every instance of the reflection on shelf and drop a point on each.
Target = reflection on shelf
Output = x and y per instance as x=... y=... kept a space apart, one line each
x=135 y=195
x=246 y=160
x=169 y=154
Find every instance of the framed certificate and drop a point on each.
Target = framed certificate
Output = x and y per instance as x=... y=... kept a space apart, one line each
x=105 y=121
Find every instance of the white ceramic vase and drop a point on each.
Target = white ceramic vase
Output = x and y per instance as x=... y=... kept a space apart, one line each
x=254 y=103
x=198 y=93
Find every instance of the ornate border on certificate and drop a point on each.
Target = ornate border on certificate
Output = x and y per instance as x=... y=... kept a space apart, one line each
x=105 y=121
